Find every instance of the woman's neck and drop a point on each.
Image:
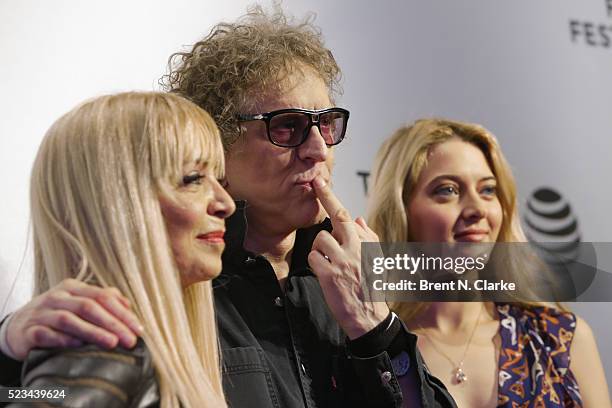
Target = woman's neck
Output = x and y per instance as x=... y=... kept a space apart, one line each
x=449 y=317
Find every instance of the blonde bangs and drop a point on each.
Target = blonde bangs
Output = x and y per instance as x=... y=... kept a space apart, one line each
x=182 y=133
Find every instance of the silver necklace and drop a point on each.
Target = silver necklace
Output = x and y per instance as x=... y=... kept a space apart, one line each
x=458 y=371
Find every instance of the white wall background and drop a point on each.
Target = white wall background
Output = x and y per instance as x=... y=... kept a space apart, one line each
x=510 y=66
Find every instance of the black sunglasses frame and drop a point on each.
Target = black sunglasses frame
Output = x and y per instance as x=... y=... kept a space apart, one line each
x=313 y=120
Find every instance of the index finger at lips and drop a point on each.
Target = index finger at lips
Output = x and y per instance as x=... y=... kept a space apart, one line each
x=112 y=302
x=330 y=202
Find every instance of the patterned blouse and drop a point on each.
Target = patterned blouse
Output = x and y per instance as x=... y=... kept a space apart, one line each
x=534 y=360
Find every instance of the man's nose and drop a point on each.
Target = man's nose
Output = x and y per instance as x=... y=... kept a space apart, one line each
x=314 y=147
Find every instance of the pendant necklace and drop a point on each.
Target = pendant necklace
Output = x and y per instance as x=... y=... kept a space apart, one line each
x=458 y=372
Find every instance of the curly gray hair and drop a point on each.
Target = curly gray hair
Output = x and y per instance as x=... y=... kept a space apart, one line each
x=254 y=54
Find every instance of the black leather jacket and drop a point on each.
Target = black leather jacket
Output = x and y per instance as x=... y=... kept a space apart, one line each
x=94 y=377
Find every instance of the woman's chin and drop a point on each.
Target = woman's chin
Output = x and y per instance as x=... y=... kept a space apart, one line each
x=205 y=272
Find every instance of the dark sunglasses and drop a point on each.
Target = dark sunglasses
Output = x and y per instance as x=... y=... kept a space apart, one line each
x=291 y=127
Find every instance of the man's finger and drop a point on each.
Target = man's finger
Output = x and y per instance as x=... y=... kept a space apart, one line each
x=326 y=244
x=319 y=265
x=44 y=337
x=333 y=206
x=361 y=231
x=365 y=232
x=124 y=300
x=91 y=311
x=325 y=248
x=361 y=222
x=72 y=325
x=110 y=301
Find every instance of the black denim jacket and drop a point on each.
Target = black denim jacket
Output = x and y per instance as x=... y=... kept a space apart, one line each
x=283 y=348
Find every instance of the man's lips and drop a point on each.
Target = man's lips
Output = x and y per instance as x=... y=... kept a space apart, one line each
x=308 y=183
x=215 y=237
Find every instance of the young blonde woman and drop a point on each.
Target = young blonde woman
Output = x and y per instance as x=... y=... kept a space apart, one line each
x=445 y=181
x=125 y=193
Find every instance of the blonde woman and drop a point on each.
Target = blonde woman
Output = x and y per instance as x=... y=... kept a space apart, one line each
x=124 y=193
x=445 y=181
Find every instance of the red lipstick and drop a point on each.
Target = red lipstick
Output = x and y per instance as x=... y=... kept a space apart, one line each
x=214 y=237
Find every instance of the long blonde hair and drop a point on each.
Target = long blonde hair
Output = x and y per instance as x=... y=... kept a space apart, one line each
x=96 y=217
x=398 y=166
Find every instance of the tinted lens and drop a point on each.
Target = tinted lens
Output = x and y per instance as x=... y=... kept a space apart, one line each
x=287 y=129
x=332 y=125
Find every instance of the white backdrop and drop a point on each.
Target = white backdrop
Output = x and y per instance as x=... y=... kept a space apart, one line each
x=523 y=69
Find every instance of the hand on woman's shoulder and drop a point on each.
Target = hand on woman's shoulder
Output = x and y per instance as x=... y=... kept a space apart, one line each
x=94 y=376
x=587 y=368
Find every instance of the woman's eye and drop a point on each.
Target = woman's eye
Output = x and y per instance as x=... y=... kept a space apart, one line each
x=192 y=179
x=446 y=190
x=489 y=190
x=223 y=182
